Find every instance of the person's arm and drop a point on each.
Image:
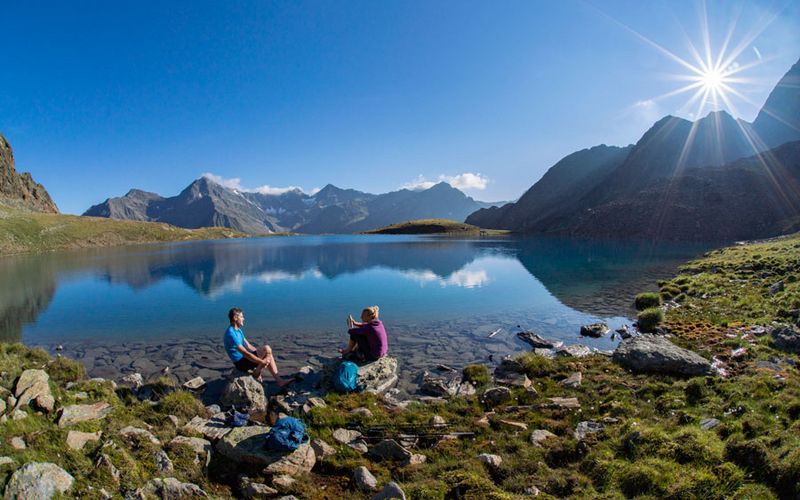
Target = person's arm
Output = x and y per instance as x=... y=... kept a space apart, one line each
x=248 y=354
x=358 y=330
x=248 y=344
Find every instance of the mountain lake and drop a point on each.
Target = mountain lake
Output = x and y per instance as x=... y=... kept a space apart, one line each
x=144 y=308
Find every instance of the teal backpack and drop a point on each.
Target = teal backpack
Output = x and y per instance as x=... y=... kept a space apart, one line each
x=346 y=378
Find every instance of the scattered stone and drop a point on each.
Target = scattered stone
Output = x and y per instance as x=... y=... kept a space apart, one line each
x=77 y=440
x=213 y=428
x=81 y=396
x=132 y=434
x=532 y=491
x=539 y=342
x=440 y=385
x=83 y=413
x=18 y=443
x=573 y=381
x=299 y=461
x=595 y=330
x=243 y=391
x=252 y=490
x=364 y=412
x=786 y=338
x=655 y=354
x=563 y=404
x=322 y=450
x=212 y=410
x=776 y=288
x=389 y=449
x=6 y=461
x=588 y=427
x=492 y=461
x=283 y=482
x=512 y=425
x=315 y=402
x=345 y=436
x=495 y=396
x=390 y=490
x=132 y=381
x=175 y=421
x=574 y=350
x=2 y=406
x=19 y=414
x=169 y=488
x=768 y=365
x=539 y=436
x=624 y=332
x=364 y=480
x=359 y=445
x=511 y=372
x=194 y=384
x=33 y=386
x=437 y=421
x=709 y=423
x=163 y=463
x=104 y=463
x=246 y=444
x=201 y=447
x=416 y=459
x=39 y=480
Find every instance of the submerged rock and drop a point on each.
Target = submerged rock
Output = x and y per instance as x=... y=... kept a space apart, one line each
x=39 y=480
x=595 y=330
x=539 y=342
x=655 y=354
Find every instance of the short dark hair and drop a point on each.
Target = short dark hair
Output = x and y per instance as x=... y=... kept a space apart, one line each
x=233 y=312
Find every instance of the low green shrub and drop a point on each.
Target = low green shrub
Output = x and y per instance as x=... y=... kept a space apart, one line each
x=649 y=319
x=647 y=300
x=63 y=370
x=182 y=404
x=477 y=374
x=537 y=366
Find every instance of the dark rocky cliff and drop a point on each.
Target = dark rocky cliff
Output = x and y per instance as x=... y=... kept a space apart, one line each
x=20 y=190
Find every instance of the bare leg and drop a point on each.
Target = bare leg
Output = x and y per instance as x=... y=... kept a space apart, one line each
x=265 y=353
x=350 y=347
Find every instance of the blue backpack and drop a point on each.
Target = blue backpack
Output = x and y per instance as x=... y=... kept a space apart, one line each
x=287 y=434
x=346 y=378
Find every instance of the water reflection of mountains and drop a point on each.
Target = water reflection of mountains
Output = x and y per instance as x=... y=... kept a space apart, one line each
x=596 y=278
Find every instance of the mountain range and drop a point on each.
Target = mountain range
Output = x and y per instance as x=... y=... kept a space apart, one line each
x=20 y=190
x=717 y=178
x=330 y=210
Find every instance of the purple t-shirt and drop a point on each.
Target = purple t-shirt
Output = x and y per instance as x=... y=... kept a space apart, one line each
x=376 y=337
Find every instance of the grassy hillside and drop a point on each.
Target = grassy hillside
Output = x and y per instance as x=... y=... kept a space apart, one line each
x=435 y=226
x=30 y=232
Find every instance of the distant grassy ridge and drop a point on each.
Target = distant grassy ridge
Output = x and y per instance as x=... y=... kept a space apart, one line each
x=31 y=232
x=436 y=226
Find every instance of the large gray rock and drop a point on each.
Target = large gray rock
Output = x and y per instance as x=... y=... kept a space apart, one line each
x=595 y=330
x=243 y=391
x=786 y=338
x=322 y=450
x=33 y=386
x=82 y=413
x=654 y=354
x=440 y=385
x=38 y=480
x=495 y=396
x=201 y=447
x=389 y=449
x=76 y=440
x=246 y=445
x=364 y=480
x=391 y=490
x=378 y=376
x=511 y=372
x=169 y=489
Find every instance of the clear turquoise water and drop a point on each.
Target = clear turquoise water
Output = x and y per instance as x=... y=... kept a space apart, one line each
x=306 y=286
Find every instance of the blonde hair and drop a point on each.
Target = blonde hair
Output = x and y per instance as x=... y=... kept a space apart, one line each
x=370 y=313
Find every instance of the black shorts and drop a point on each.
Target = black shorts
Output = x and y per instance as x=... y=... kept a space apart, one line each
x=245 y=365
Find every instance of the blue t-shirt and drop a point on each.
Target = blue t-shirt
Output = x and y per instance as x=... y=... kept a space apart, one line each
x=233 y=337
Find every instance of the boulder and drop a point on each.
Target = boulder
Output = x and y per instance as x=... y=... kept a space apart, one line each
x=588 y=427
x=538 y=342
x=709 y=423
x=300 y=461
x=74 y=414
x=440 y=385
x=6 y=461
x=595 y=330
x=245 y=392
x=389 y=449
x=492 y=461
x=573 y=381
x=511 y=372
x=77 y=440
x=18 y=443
x=655 y=354
x=390 y=490
x=169 y=488
x=786 y=338
x=539 y=436
x=246 y=445
x=345 y=436
x=162 y=461
x=322 y=450
x=39 y=480
x=495 y=396
x=364 y=480
x=33 y=386
x=252 y=490
x=132 y=381
x=283 y=482
x=213 y=428
x=134 y=435
x=378 y=376
x=574 y=351
x=201 y=447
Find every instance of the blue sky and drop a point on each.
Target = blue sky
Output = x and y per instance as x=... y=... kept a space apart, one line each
x=100 y=97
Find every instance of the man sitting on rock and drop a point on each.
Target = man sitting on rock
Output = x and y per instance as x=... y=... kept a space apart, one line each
x=245 y=357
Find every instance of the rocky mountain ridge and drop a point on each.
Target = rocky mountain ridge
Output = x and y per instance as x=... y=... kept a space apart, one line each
x=20 y=190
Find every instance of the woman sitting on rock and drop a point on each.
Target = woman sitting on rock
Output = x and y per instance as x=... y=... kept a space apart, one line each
x=367 y=339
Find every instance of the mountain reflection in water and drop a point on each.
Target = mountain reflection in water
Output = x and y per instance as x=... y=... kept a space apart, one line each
x=596 y=278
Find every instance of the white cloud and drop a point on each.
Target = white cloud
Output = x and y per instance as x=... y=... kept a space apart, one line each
x=236 y=183
x=464 y=278
x=758 y=52
x=467 y=180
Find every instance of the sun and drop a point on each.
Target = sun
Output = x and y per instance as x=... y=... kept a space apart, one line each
x=712 y=80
